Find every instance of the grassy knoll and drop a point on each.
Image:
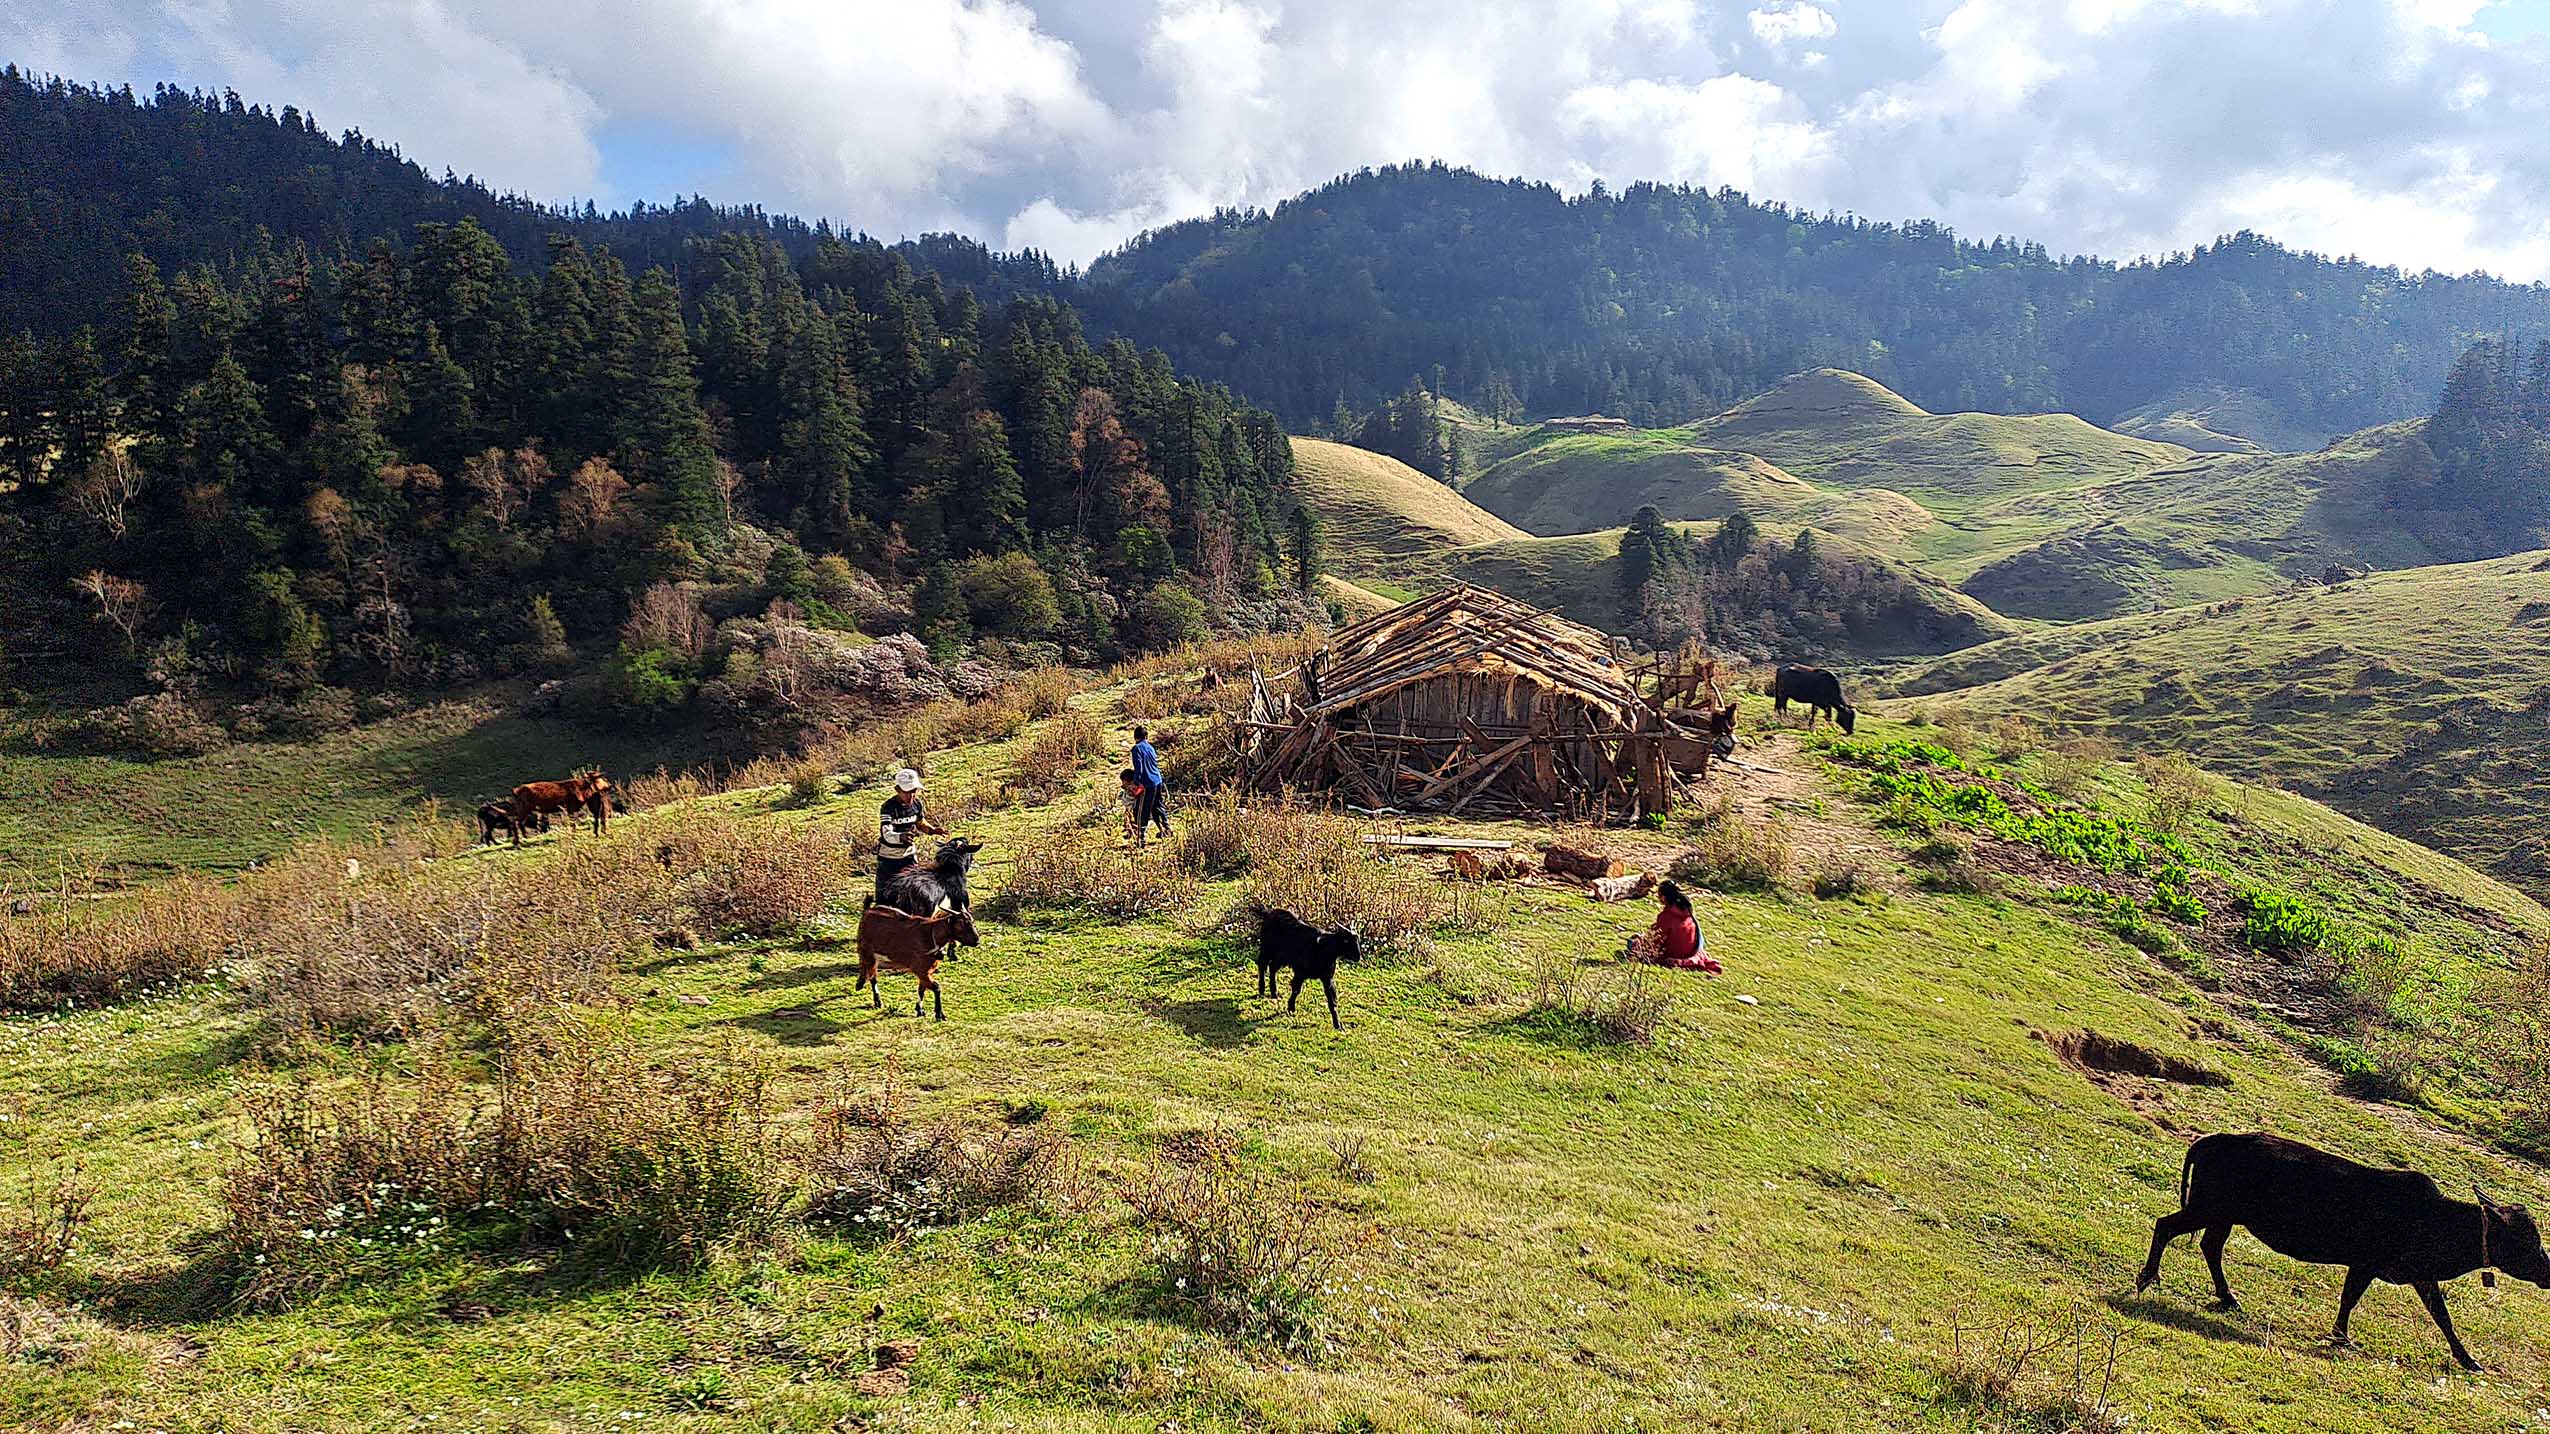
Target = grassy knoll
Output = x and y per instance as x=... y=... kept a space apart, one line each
x=136 y=818
x=1782 y=1214
x=1382 y=516
x=1579 y=576
x=2412 y=699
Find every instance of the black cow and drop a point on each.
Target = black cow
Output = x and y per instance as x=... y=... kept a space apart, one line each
x=2323 y=1209
x=494 y=817
x=1286 y=942
x=924 y=890
x=1821 y=691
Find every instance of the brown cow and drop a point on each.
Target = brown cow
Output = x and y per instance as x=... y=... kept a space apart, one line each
x=900 y=941
x=591 y=791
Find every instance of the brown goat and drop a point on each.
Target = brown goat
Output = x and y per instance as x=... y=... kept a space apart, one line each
x=900 y=941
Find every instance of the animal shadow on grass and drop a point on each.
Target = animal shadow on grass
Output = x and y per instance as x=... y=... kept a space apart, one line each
x=792 y=977
x=2154 y=1309
x=1220 y=1022
x=791 y=1025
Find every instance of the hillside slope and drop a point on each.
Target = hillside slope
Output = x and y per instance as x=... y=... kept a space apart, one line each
x=1795 y=1208
x=1578 y=574
x=2414 y=700
x=1379 y=515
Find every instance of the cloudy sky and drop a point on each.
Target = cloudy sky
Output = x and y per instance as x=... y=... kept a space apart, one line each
x=2407 y=131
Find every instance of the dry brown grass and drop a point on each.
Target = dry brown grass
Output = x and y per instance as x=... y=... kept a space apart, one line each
x=1316 y=865
x=1072 y=868
x=75 y=951
x=1739 y=856
x=1055 y=757
x=1241 y=1251
x=586 y=1143
x=39 y=1233
x=872 y=1163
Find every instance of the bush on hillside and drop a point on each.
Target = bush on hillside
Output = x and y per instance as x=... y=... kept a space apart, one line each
x=1618 y=1004
x=1317 y=865
x=871 y=1164
x=1240 y=1251
x=69 y=953
x=1055 y=757
x=1071 y=868
x=1739 y=856
x=587 y=1144
x=39 y=1233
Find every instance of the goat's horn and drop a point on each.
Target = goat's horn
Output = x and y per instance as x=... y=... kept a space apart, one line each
x=2482 y=1194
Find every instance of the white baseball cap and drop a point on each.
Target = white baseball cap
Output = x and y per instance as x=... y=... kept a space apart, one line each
x=907 y=780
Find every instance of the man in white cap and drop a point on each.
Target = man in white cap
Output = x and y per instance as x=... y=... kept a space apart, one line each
x=899 y=824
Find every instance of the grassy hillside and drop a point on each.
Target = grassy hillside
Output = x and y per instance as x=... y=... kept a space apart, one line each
x=133 y=819
x=2224 y=420
x=1841 y=430
x=1579 y=576
x=1581 y=482
x=1823 y=1206
x=1380 y=514
x=2412 y=699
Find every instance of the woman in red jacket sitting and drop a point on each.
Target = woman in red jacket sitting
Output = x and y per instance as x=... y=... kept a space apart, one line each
x=1675 y=938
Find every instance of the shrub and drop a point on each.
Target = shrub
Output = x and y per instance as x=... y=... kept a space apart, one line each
x=757 y=878
x=2279 y=921
x=1045 y=692
x=2175 y=793
x=39 y=1235
x=1318 y=866
x=586 y=1144
x=1624 y=1005
x=1739 y=856
x=2141 y=934
x=1215 y=837
x=1950 y=865
x=1056 y=754
x=2514 y=1040
x=1835 y=875
x=1069 y=868
x=2071 y=766
x=809 y=781
x=69 y=953
x=2058 y=1377
x=168 y=724
x=871 y=1164
x=1241 y=1252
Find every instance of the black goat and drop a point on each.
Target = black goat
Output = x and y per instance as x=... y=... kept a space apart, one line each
x=926 y=890
x=1286 y=942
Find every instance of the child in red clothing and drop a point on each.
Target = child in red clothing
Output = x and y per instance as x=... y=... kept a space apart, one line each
x=1675 y=938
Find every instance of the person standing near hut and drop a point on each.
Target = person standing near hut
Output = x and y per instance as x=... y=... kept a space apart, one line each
x=900 y=823
x=1155 y=787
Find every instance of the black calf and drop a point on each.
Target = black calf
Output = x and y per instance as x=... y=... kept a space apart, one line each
x=1286 y=942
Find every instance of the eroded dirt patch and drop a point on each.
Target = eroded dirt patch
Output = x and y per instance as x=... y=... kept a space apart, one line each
x=2095 y=1054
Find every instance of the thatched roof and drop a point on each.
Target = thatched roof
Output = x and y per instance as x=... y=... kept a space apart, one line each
x=1464 y=629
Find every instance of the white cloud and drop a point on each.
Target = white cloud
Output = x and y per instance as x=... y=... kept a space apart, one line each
x=1785 y=23
x=2390 y=128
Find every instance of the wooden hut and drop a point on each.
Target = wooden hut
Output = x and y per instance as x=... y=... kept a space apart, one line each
x=1469 y=701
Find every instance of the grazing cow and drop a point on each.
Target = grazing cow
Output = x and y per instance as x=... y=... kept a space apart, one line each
x=1285 y=941
x=940 y=886
x=1821 y=691
x=590 y=791
x=899 y=941
x=494 y=817
x=2324 y=1209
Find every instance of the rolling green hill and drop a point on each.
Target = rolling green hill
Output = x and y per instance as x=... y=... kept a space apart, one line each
x=1579 y=575
x=1380 y=515
x=2415 y=700
x=1823 y=1195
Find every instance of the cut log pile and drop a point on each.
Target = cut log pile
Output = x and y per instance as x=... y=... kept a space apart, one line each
x=1466 y=702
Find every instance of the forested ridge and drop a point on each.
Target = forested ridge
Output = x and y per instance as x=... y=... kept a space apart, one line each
x=1662 y=304
x=303 y=475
